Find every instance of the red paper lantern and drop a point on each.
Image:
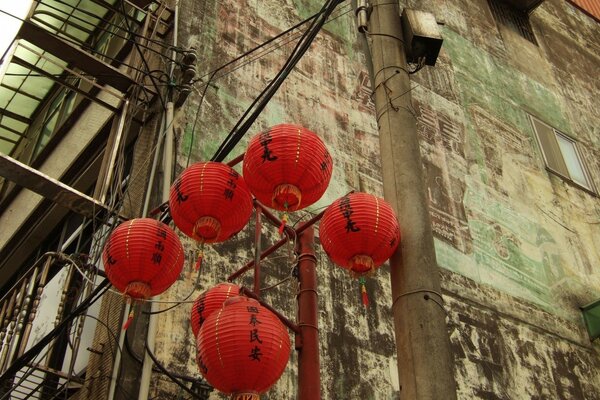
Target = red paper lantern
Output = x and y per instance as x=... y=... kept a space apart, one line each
x=243 y=348
x=359 y=232
x=287 y=167
x=210 y=301
x=142 y=258
x=210 y=202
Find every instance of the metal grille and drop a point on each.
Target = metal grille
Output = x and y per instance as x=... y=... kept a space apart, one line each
x=513 y=19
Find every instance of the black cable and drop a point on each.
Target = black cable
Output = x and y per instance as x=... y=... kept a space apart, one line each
x=96 y=52
x=30 y=354
x=261 y=101
x=130 y=350
x=254 y=110
x=167 y=373
x=99 y=28
x=187 y=164
x=299 y=24
x=137 y=47
x=91 y=14
x=273 y=48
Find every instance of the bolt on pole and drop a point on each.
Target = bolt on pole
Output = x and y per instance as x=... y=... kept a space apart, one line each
x=425 y=364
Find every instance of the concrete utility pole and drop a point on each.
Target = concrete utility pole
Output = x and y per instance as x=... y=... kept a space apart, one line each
x=425 y=364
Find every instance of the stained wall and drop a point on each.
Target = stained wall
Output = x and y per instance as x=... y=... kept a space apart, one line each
x=518 y=247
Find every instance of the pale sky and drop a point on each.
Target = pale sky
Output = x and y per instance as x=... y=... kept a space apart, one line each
x=8 y=25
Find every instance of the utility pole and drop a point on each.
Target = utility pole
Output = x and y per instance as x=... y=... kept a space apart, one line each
x=425 y=363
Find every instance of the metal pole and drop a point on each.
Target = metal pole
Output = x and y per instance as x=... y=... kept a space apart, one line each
x=257 y=249
x=114 y=376
x=166 y=188
x=425 y=366
x=304 y=226
x=307 y=342
x=116 y=146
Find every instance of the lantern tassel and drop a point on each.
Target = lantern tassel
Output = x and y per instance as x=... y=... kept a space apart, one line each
x=129 y=319
x=200 y=257
x=363 y=290
x=284 y=220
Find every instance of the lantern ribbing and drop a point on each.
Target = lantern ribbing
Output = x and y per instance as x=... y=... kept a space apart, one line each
x=243 y=348
x=209 y=302
x=142 y=258
x=210 y=202
x=287 y=167
x=359 y=232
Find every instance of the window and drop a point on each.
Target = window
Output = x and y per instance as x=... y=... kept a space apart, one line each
x=514 y=18
x=561 y=154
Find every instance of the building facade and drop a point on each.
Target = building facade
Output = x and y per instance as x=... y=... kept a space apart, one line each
x=510 y=143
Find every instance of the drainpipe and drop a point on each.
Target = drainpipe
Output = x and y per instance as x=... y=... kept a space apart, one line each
x=166 y=188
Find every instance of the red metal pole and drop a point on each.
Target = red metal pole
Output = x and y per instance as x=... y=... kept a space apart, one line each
x=307 y=343
x=282 y=318
x=236 y=160
x=257 y=249
x=304 y=226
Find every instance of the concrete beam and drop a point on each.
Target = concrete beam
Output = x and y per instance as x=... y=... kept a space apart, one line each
x=50 y=188
x=75 y=57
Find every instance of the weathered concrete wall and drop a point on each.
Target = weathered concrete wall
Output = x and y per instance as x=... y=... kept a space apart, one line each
x=519 y=246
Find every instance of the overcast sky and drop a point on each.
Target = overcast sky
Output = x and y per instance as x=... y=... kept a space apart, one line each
x=9 y=25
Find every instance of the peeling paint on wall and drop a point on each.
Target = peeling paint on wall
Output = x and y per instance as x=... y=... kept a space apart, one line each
x=519 y=247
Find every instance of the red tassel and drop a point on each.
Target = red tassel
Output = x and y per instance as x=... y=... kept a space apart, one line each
x=284 y=220
x=365 y=299
x=129 y=319
x=363 y=290
x=199 y=261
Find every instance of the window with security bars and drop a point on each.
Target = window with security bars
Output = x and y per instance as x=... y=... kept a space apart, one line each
x=513 y=19
x=561 y=154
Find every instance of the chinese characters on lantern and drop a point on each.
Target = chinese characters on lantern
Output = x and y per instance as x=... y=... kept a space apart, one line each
x=159 y=247
x=326 y=163
x=265 y=139
x=346 y=209
x=255 y=353
x=231 y=184
x=200 y=306
x=180 y=196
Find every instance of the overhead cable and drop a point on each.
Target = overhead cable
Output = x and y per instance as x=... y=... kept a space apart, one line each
x=254 y=110
x=30 y=354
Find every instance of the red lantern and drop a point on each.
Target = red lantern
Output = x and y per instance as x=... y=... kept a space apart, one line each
x=287 y=167
x=209 y=301
x=243 y=348
x=142 y=258
x=359 y=232
x=210 y=202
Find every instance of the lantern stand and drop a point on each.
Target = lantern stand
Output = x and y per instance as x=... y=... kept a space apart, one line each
x=307 y=342
x=286 y=321
x=257 y=250
x=306 y=330
x=275 y=246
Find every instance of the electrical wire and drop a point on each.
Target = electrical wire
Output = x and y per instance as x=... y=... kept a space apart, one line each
x=167 y=373
x=256 y=107
x=30 y=354
x=187 y=164
x=143 y=58
x=97 y=27
x=109 y=23
x=82 y=45
x=276 y=46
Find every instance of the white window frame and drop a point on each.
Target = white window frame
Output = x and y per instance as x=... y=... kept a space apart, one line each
x=589 y=184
